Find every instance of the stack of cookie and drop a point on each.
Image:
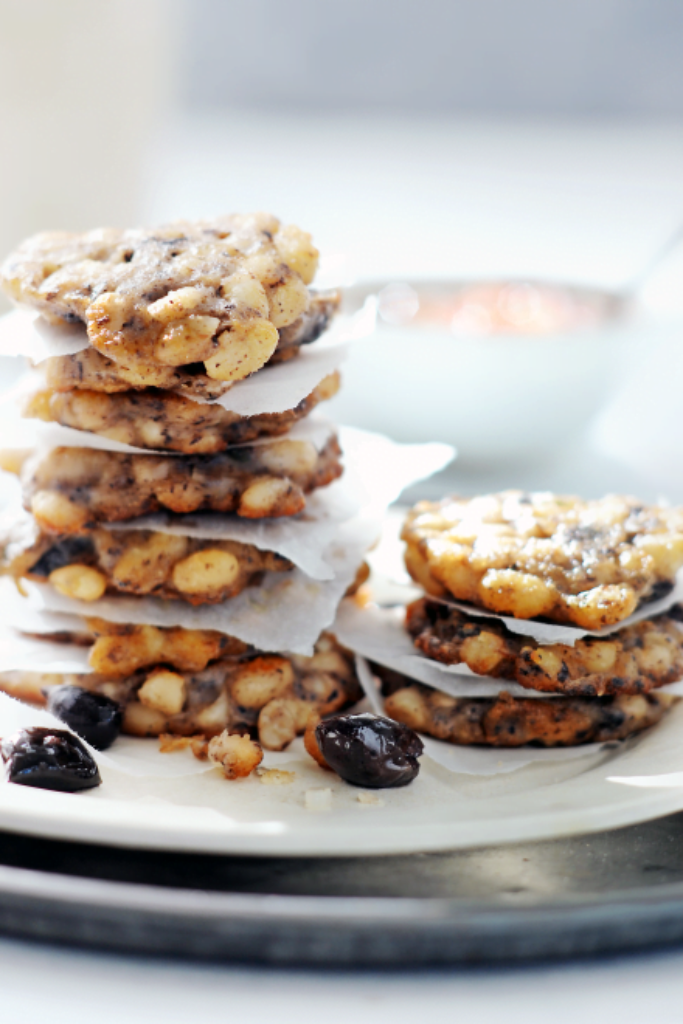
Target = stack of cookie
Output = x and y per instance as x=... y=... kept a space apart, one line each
x=594 y=582
x=172 y=320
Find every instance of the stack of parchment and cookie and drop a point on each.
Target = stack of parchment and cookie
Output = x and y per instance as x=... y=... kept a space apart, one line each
x=545 y=620
x=178 y=519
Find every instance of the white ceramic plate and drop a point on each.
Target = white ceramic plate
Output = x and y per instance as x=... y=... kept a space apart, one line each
x=205 y=813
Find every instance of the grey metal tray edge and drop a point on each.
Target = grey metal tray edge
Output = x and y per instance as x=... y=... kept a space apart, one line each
x=326 y=930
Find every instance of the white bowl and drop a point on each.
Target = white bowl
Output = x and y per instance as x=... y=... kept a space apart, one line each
x=496 y=397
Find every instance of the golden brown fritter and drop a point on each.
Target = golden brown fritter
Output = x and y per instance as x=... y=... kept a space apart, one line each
x=590 y=563
x=214 y=293
x=165 y=421
x=92 y=371
x=120 y=649
x=505 y=721
x=143 y=562
x=72 y=489
x=634 y=659
x=268 y=696
x=453 y=637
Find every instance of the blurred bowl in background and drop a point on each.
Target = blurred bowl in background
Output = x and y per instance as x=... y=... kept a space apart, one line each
x=507 y=370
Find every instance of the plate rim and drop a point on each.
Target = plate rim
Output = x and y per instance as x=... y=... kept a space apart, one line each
x=396 y=840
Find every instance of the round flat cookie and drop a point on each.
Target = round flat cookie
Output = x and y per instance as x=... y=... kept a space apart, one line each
x=88 y=565
x=632 y=660
x=165 y=421
x=90 y=370
x=117 y=650
x=211 y=295
x=270 y=696
x=69 y=490
x=505 y=721
x=589 y=563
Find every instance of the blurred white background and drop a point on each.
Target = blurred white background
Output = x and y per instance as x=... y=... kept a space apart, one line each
x=418 y=139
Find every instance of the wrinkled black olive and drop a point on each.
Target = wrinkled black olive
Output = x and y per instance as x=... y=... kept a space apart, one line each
x=65 y=551
x=49 y=759
x=370 y=751
x=94 y=717
x=662 y=588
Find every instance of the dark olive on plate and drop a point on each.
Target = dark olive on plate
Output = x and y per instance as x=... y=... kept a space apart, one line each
x=49 y=759
x=370 y=751
x=94 y=717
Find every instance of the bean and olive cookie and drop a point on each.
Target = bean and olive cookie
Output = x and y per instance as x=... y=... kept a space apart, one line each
x=267 y=695
x=85 y=566
x=120 y=649
x=165 y=421
x=589 y=563
x=506 y=721
x=92 y=371
x=69 y=490
x=214 y=293
x=635 y=659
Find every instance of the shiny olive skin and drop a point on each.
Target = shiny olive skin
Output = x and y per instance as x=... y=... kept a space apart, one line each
x=49 y=759
x=370 y=751
x=94 y=717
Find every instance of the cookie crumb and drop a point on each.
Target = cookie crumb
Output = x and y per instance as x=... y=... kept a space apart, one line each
x=169 y=744
x=275 y=776
x=318 y=799
x=238 y=756
x=370 y=800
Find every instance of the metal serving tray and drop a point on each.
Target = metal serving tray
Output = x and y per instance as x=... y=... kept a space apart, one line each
x=619 y=890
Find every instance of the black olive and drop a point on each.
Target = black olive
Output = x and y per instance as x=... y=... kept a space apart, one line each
x=94 y=717
x=659 y=590
x=49 y=759
x=65 y=551
x=370 y=751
